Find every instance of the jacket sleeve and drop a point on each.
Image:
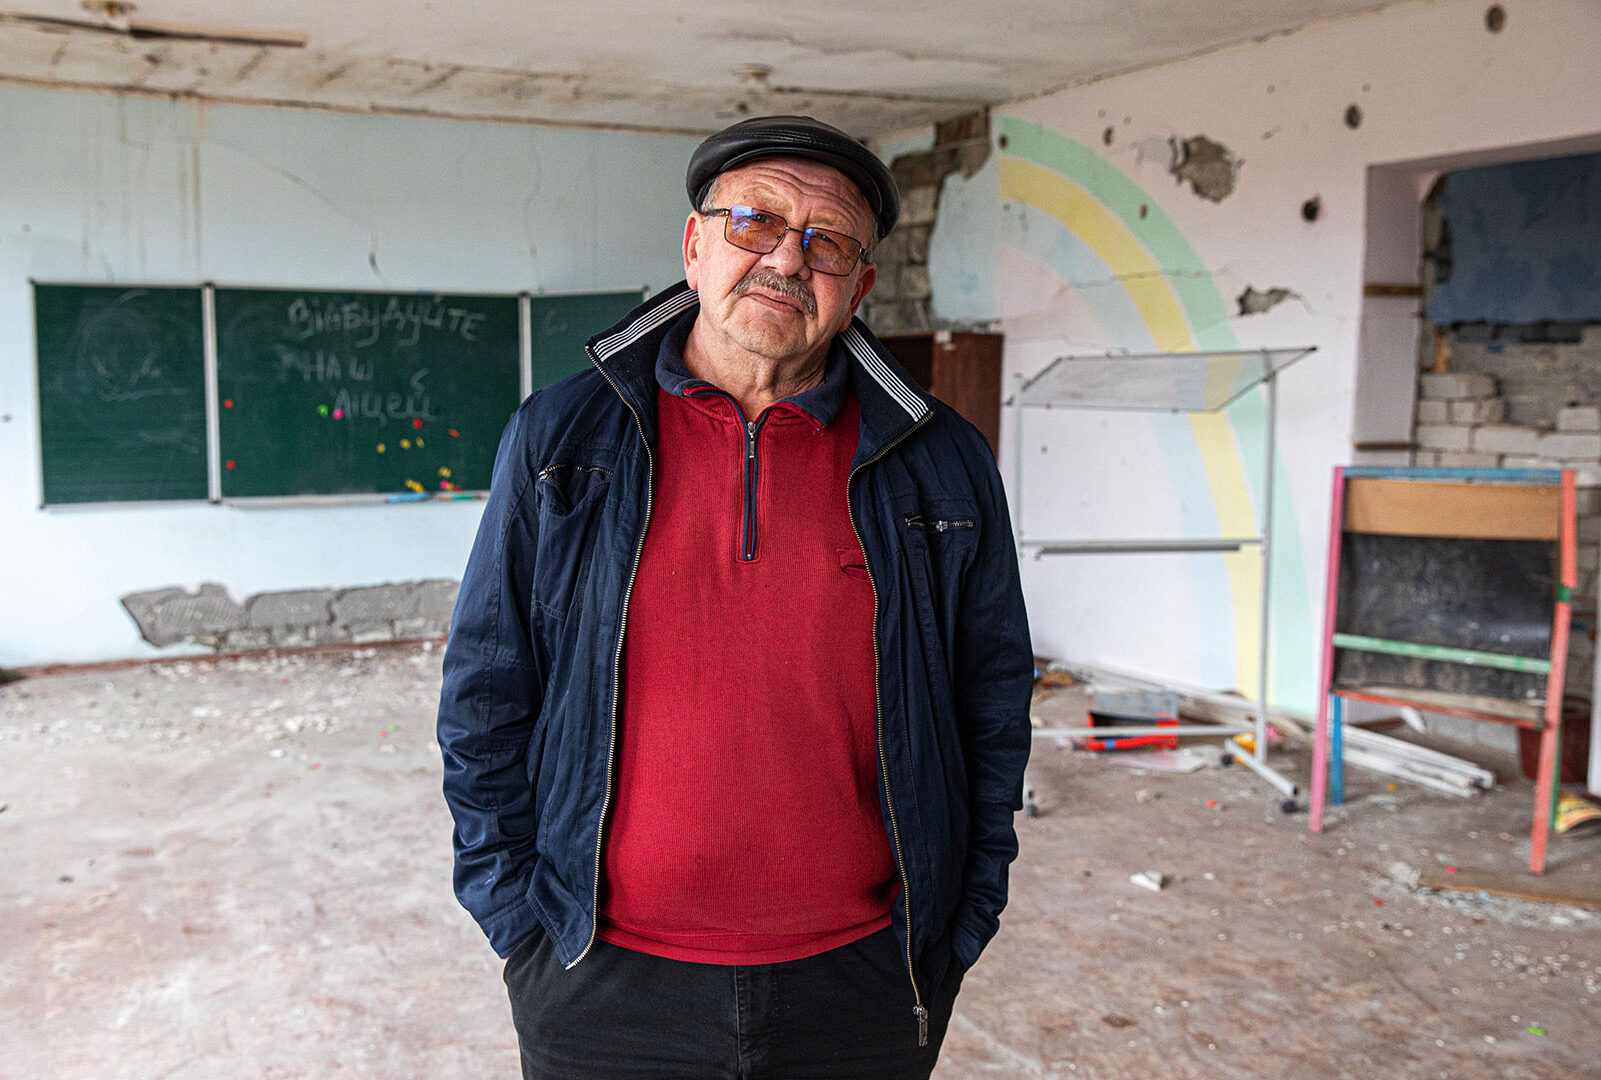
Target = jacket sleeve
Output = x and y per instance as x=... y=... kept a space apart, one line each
x=490 y=701
x=994 y=674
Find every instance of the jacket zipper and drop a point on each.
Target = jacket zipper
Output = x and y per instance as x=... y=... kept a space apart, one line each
x=919 y=1010
x=916 y=521
x=617 y=658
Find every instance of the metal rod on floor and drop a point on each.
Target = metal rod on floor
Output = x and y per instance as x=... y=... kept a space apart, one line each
x=1128 y=732
x=1262 y=769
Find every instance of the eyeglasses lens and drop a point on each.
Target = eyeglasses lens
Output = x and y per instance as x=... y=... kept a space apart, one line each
x=760 y=231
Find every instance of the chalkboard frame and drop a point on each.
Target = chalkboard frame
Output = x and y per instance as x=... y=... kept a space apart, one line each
x=626 y=300
x=45 y=407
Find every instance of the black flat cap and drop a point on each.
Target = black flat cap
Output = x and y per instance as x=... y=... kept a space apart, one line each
x=795 y=136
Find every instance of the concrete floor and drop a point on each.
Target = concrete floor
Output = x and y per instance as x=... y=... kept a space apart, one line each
x=242 y=869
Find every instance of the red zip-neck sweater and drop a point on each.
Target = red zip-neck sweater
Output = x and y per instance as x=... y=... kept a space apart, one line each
x=746 y=825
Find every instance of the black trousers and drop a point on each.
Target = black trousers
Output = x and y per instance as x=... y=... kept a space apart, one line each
x=846 y=1014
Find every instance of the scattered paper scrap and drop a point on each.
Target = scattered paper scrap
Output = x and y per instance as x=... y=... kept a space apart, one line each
x=1169 y=761
x=1149 y=879
x=1575 y=810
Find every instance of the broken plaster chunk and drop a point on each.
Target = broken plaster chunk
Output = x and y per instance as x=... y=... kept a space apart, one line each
x=1149 y=879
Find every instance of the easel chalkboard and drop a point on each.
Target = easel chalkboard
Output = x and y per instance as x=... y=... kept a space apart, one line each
x=1450 y=590
x=122 y=398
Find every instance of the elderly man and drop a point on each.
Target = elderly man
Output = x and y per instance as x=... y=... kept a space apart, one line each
x=734 y=715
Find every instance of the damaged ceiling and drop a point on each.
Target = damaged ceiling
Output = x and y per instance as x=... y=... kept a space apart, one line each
x=689 y=65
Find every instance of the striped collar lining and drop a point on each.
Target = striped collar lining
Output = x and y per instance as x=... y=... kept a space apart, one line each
x=612 y=344
x=904 y=395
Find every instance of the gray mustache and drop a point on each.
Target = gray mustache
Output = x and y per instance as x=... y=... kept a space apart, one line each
x=791 y=289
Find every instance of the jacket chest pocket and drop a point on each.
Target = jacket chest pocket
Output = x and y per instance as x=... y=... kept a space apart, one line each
x=939 y=538
x=572 y=500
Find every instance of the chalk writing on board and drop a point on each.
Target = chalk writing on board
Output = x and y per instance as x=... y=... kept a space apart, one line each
x=385 y=407
x=320 y=365
x=404 y=318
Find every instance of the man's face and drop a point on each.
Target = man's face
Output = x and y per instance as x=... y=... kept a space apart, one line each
x=774 y=305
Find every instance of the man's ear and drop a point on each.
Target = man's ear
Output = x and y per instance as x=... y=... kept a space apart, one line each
x=693 y=233
x=864 y=285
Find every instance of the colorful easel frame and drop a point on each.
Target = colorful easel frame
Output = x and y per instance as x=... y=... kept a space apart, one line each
x=1522 y=504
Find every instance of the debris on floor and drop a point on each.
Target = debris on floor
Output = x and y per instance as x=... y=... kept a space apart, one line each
x=199 y=843
x=1154 y=880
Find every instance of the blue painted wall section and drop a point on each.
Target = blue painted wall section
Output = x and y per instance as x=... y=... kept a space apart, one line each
x=1523 y=243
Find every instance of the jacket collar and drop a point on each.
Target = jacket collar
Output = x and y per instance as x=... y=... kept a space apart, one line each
x=891 y=403
x=820 y=404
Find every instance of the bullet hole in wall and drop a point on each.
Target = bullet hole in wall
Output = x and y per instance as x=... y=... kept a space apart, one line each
x=1001 y=142
x=1353 y=116
x=1495 y=18
x=1106 y=136
x=1145 y=211
x=1312 y=209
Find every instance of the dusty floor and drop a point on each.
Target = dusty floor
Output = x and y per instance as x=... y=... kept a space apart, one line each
x=241 y=869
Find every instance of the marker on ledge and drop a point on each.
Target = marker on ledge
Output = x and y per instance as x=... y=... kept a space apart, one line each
x=410 y=496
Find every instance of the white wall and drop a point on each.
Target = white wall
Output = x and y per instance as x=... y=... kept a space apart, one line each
x=102 y=188
x=1062 y=255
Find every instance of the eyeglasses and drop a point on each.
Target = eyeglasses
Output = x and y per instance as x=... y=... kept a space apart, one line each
x=762 y=231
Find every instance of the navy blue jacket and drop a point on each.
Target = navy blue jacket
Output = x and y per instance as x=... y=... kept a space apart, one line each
x=528 y=713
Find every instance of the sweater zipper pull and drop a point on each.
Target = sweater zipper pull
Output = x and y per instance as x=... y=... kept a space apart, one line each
x=750 y=440
x=922 y=1024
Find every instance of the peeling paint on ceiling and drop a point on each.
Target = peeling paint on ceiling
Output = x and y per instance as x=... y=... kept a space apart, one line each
x=869 y=68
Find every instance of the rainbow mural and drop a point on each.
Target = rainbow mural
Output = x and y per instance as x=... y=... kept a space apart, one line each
x=1081 y=218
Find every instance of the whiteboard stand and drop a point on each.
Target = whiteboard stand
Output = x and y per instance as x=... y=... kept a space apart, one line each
x=1186 y=382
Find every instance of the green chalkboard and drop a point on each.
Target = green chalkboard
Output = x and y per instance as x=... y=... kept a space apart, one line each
x=122 y=401
x=328 y=393
x=561 y=324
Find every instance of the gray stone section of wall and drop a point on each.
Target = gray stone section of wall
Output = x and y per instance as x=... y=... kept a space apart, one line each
x=293 y=618
x=902 y=298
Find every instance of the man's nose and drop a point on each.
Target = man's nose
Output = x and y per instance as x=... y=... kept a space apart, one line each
x=788 y=258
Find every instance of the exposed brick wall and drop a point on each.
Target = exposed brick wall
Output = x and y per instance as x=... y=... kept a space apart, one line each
x=902 y=298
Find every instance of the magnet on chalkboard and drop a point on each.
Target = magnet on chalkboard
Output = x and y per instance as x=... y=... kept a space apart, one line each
x=444 y=471
x=416 y=421
x=454 y=434
x=405 y=444
x=382 y=448
x=322 y=410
